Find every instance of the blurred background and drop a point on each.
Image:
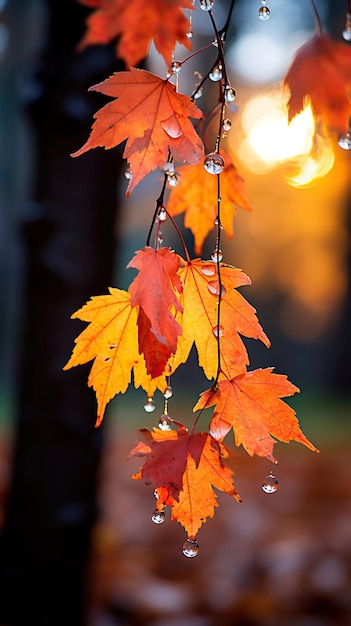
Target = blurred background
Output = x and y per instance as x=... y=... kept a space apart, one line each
x=77 y=545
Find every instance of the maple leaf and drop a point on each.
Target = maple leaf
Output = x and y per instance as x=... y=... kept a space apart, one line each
x=200 y=318
x=111 y=339
x=196 y=195
x=154 y=291
x=136 y=23
x=321 y=73
x=251 y=404
x=152 y=116
x=183 y=468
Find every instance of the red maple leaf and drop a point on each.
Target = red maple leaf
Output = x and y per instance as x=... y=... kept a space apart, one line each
x=152 y=116
x=251 y=405
x=135 y=23
x=183 y=468
x=321 y=74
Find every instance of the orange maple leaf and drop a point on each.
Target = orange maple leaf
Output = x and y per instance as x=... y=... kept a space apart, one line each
x=136 y=23
x=152 y=116
x=321 y=73
x=199 y=318
x=196 y=194
x=111 y=339
x=154 y=291
x=183 y=468
x=251 y=405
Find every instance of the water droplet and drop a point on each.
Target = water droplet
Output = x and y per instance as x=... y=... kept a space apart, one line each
x=189 y=32
x=190 y=548
x=227 y=124
x=270 y=484
x=162 y=214
x=264 y=2
x=168 y=392
x=156 y=494
x=264 y=13
x=213 y=287
x=198 y=94
x=208 y=271
x=206 y=5
x=149 y=407
x=165 y=422
x=229 y=94
x=128 y=174
x=346 y=33
x=344 y=141
x=218 y=223
x=160 y=238
x=112 y=346
x=218 y=332
x=214 y=163
x=168 y=167
x=215 y=75
x=172 y=179
x=176 y=67
x=158 y=517
x=217 y=256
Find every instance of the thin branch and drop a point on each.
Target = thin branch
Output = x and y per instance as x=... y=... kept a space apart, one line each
x=318 y=22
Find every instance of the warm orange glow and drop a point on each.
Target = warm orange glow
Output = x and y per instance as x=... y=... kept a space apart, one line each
x=271 y=142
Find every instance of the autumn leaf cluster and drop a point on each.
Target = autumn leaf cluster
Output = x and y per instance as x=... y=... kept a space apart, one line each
x=142 y=335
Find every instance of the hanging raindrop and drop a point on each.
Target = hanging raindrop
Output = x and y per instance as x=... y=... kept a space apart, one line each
x=344 y=141
x=206 y=5
x=227 y=124
x=172 y=179
x=270 y=484
x=214 y=163
x=165 y=422
x=158 y=517
x=346 y=33
x=176 y=67
x=128 y=174
x=149 y=407
x=190 y=548
x=217 y=255
x=168 y=392
x=264 y=13
x=216 y=74
x=162 y=214
x=229 y=94
x=198 y=94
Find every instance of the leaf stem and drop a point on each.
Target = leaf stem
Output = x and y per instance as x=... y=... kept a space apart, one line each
x=220 y=286
x=317 y=19
x=159 y=204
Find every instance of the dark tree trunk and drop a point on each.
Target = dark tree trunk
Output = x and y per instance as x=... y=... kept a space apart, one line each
x=69 y=253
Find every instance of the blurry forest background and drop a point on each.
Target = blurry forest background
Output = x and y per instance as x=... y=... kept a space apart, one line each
x=77 y=545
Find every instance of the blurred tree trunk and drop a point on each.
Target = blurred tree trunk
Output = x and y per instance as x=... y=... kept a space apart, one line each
x=68 y=256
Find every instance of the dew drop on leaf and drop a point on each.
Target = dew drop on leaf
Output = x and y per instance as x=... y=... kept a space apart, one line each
x=149 y=406
x=344 y=141
x=270 y=484
x=217 y=256
x=215 y=75
x=264 y=13
x=158 y=517
x=190 y=548
x=176 y=67
x=218 y=331
x=206 y=5
x=213 y=287
x=165 y=423
x=168 y=392
x=214 y=163
x=208 y=271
